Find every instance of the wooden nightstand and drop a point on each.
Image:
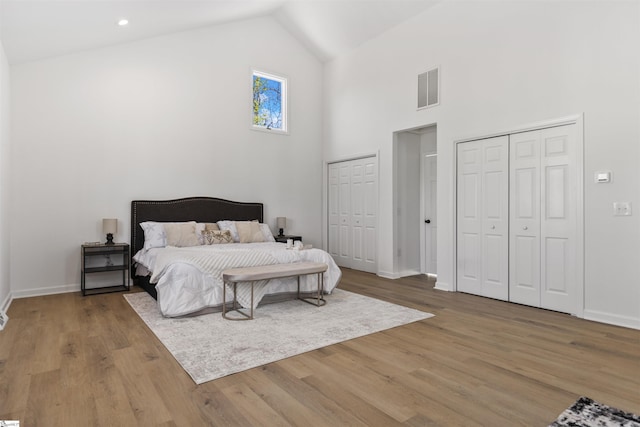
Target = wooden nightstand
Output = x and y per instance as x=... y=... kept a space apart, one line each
x=102 y=258
x=283 y=239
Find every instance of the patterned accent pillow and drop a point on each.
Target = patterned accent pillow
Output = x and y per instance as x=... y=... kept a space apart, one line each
x=216 y=237
x=231 y=226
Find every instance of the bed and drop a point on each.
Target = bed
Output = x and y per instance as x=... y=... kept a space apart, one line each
x=188 y=280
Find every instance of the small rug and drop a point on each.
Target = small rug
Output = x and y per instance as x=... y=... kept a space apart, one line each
x=210 y=347
x=588 y=413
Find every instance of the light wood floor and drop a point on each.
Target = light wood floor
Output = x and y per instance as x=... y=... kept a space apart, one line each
x=68 y=360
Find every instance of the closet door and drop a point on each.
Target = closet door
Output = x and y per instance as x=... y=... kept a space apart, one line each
x=495 y=218
x=352 y=205
x=558 y=231
x=543 y=218
x=482 y=218
x=524 y=264
x=344 y=214
x=370 y=214
x=333 y=208
x=469 y=222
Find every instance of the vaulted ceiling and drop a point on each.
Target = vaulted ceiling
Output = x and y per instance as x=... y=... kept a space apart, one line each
x=37 y=29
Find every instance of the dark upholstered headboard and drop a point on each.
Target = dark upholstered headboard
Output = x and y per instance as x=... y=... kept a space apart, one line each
x=199 y=209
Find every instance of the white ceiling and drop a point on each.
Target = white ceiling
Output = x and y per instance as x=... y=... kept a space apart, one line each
x=37 y=29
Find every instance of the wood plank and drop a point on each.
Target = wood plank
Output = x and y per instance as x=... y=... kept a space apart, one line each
x=72 y=360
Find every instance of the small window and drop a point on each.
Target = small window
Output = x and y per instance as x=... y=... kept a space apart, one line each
x=269 y=102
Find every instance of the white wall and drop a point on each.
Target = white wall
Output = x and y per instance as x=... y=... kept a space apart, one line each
x=5 y=177
x=161 y=118
x=505 y=64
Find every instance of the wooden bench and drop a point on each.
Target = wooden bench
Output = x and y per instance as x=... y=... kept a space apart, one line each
x=251 y=275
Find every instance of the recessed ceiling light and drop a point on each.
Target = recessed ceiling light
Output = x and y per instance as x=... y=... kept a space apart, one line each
x=123 y=22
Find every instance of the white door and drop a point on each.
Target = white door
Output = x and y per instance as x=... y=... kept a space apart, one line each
x=352 y=206
x=543 y=218
x=333 y=208
x=483 y=218
x=558 y=208
x=429 y=198
x=495 y=218
x=344 y=214
x=469 y=220
x=370 y=215
x=524 y=264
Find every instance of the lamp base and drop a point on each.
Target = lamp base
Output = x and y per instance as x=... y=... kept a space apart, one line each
x=281 y=233
x=109 y=239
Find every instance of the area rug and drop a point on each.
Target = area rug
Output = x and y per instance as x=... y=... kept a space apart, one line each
x=210 y=347
x=589 y=413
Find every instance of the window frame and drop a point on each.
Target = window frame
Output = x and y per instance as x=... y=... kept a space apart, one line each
x=284 y=101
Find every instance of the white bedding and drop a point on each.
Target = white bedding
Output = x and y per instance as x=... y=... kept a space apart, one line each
x=185 y=286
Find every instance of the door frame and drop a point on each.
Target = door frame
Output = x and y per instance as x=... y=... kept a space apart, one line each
x=423 y=239
x=578 y=121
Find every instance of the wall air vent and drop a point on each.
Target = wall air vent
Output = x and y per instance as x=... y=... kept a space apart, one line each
x=429 y=88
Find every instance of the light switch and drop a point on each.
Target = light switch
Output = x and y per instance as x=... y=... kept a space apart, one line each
x=622 y=208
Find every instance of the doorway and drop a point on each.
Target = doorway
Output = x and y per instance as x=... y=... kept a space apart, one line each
x=415 y=198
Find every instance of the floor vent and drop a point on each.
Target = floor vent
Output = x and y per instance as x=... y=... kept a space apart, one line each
x=3 y=319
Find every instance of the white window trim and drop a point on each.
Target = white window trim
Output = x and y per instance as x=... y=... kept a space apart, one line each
x=284 y=102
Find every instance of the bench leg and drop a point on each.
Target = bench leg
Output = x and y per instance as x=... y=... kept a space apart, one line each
x=234 y=304
x=319 y=300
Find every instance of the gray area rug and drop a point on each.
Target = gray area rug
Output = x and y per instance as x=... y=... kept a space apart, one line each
x=210 y=347
x=589 y=413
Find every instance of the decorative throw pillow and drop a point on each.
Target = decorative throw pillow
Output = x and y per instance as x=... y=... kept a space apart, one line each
x=231 y=226
x=181 y=234
x=154 y=236
x=249 y=231
x=266 y=232
x=216 y=237
x=208 y=226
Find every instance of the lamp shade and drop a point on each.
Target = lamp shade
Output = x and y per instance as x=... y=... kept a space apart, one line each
x=110 y=225
x=282 y=222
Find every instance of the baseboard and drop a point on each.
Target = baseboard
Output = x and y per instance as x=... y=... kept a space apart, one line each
x=4 y=307
x=441 y=286
x=62 y=289
x=388 y=275
x=612 y=319
x=406 y=273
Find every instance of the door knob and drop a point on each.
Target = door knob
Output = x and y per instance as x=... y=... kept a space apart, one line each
x=493 y=227
x=427 y=221
x=525 y=228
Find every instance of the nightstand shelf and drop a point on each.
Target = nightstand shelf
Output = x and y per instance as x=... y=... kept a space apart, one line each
x=105 y=258
x=283 y=239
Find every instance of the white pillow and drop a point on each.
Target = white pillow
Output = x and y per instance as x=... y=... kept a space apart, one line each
x=268 y=235
x=154 y=236
x=231 y=226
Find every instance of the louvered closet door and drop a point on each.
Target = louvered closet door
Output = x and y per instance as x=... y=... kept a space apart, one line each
x=482 y=218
